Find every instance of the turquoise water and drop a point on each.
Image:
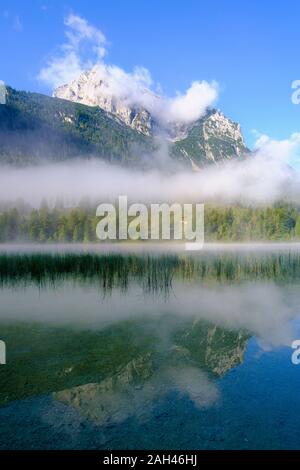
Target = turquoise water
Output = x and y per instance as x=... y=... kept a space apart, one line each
x=150 y=351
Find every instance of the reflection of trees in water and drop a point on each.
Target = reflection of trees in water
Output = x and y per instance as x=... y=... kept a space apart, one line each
x=154 y=273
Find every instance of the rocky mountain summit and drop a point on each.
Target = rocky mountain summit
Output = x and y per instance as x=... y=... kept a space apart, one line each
x=90 y=120
x=211 y=138
x=92 y=89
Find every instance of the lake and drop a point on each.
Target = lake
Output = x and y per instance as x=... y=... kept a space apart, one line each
x=149 y=347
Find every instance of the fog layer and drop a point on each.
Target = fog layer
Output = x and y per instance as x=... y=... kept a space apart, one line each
x=258 y=180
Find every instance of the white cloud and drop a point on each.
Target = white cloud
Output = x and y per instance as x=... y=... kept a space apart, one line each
x=129 y=87
x=17 y=24
x=79 y=30
x=85 y=49
x=85 y=45
x=190 y=106
x=61 y=70
x=286 y=150
x=262 y=178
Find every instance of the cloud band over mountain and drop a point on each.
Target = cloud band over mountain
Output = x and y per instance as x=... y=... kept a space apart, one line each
x=85 y=48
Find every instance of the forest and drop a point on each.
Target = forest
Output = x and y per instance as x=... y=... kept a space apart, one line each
x=222 y=223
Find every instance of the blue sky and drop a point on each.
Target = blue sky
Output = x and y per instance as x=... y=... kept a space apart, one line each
x=251 y=48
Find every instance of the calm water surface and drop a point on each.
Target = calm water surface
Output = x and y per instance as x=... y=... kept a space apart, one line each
x=160 y=349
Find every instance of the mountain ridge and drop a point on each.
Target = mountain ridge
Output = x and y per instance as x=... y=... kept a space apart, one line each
x=37 y=128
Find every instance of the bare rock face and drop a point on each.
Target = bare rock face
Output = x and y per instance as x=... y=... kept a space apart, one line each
x=218 y=126
x=210 y=139
x=93 y=90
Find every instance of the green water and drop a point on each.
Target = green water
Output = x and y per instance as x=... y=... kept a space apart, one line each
x=149 y=350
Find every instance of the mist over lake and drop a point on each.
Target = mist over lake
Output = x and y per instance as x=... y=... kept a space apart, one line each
x=117 y=340
x=149 y=232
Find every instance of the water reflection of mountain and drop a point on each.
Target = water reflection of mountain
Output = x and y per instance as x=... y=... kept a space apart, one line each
x=215 y=349
x=201 y=353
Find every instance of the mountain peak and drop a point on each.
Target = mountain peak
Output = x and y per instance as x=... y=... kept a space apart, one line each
x=134 y=104
x=35 y=127
x=96 y=87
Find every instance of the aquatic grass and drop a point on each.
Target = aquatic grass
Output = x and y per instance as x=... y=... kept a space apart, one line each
x=154 y=273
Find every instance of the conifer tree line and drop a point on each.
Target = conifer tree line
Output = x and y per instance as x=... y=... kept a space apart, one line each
x=77 y=225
